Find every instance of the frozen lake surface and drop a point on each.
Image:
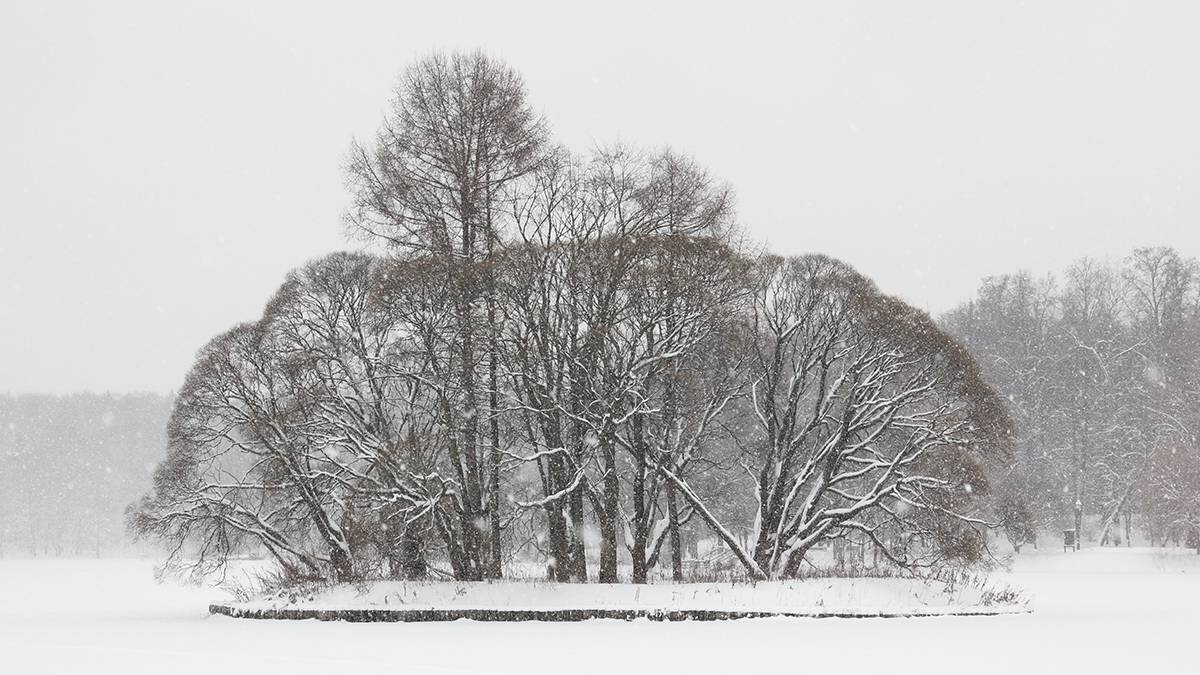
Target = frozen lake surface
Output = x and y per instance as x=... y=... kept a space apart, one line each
x=1096 y=611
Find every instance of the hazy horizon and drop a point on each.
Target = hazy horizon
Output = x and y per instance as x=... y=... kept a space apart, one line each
x=166 y=166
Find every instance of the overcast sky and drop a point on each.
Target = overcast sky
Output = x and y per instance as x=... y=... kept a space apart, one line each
x=162 y=167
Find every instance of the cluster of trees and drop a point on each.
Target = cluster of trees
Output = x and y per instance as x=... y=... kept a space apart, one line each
x=71 y=465
x=569 y=360
x=1101 y=372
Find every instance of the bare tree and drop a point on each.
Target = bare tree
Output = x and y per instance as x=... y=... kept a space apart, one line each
x=369 y=413
x=240 y=472
x=459 y=134
x=1011 y=328
x=1095 y=373
x=1164 y=310
x=868 y=416
x=557 y=344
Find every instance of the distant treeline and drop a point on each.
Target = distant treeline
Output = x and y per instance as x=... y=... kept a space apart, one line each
x=1100 y=371
x=69 y=465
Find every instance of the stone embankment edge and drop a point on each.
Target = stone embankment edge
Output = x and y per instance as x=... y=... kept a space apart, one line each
x=406 y=615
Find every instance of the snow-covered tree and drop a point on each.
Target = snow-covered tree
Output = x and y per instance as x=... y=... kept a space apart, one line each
x=1099 y=375
x=562 y=356
x=869 y=418
x=459 y=135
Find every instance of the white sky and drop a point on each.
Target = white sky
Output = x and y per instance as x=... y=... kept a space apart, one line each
x=162 y=167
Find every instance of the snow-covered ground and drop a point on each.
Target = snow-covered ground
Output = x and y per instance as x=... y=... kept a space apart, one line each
x=1097 y=611
x=818 y=596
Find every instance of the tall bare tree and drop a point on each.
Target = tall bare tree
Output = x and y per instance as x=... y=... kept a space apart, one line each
x=459 y=134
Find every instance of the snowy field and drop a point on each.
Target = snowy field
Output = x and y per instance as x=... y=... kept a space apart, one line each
x=1097 y=611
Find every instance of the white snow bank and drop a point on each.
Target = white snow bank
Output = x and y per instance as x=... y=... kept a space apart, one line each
x=868 y=596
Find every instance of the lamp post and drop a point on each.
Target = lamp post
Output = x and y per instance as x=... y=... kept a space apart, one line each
x=1078 y=522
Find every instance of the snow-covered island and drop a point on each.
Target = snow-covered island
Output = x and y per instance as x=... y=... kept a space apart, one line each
x=547 y=601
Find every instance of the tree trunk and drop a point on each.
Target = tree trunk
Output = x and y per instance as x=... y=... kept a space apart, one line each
x=472 y=497
x=496 y=560
x=557 y=524
x=608 y=518
x=1115 y=515
x=579 y=571
x=495 y=568
x=343 y=569
x=640 y=512
x=675 y=534
x=410 y=558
